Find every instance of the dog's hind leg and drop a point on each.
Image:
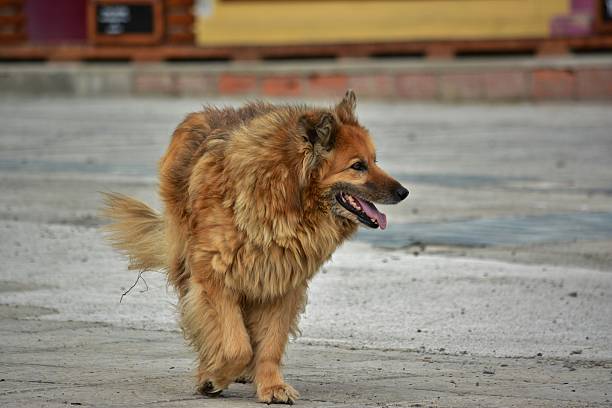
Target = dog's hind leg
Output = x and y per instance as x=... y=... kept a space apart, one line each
x=212 y=321
x=269 y=325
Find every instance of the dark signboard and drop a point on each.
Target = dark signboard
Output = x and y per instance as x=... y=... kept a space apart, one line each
x=603 y=17
x=606 y=12
x=118 y=19
x=125 y=21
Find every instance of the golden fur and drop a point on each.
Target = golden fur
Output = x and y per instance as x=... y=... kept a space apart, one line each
x=251 y=213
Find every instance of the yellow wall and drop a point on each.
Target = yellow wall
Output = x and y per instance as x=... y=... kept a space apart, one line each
x=298 y=22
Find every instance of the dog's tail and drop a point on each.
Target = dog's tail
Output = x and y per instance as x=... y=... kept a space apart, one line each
x=136 y=230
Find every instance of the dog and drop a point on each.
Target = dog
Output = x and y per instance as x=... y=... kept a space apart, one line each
x=255 y=199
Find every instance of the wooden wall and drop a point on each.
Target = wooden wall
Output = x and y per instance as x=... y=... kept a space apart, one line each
x=259 y=22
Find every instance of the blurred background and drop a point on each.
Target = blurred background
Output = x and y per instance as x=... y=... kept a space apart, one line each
x=495 y=114
x=405 y=49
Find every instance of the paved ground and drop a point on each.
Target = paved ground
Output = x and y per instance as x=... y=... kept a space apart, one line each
x=430 y=316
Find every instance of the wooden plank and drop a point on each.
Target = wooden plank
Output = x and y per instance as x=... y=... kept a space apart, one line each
x=9 y=39
x=179 y=3
x=181 y=20
x=11 y=3
x=180 y=37
x=440 y=51
x=177 y=52
x=552 y=48
x=14 y=20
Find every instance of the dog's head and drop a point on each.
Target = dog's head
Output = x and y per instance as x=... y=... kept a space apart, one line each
x=348 y=175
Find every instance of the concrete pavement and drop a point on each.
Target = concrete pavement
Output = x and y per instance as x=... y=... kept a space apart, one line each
x=419 y=323
x=51 y=363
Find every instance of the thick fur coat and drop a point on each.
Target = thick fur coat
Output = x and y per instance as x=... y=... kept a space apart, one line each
x=256 y=200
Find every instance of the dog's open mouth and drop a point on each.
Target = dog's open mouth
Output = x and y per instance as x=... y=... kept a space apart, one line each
x=366 y=212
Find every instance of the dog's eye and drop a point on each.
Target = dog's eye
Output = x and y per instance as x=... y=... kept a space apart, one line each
x=359 y=166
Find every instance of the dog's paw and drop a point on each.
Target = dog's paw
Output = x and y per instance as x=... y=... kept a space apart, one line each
x=208 y=388
x=244 y=379
x=278 y=394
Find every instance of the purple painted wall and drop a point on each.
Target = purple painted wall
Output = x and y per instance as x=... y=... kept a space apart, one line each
x=57 y=21
x=578 y=23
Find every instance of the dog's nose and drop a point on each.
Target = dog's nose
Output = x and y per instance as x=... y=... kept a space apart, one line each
x=401 y=193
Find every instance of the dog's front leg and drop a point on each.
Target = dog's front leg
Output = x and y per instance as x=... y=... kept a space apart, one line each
x=269 y=324
x=211 y=318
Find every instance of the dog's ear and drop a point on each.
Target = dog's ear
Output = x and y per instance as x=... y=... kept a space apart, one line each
x=346 y=108
x=320 y=129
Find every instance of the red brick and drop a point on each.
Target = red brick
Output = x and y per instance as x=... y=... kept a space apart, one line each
x=372 y=85
x=417 y=86
x=550 y=84
x=506 y=85
x=327 y=85
x=462 y=86
x=150 y=83
x=282 y=86
x=237 y=84
x=195 y=84
x=594 y=84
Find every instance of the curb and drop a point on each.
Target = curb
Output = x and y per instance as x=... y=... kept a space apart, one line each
x=516 y=79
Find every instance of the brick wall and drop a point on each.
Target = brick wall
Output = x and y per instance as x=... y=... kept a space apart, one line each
x=579 y=79
x=537 y=83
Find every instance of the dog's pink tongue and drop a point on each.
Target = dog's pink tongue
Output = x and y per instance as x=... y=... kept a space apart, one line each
x=372 y=212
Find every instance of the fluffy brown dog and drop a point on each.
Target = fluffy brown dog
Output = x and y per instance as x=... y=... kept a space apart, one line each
x=256 y=200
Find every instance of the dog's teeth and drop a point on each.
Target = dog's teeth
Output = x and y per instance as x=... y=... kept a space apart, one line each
x=351 y=201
